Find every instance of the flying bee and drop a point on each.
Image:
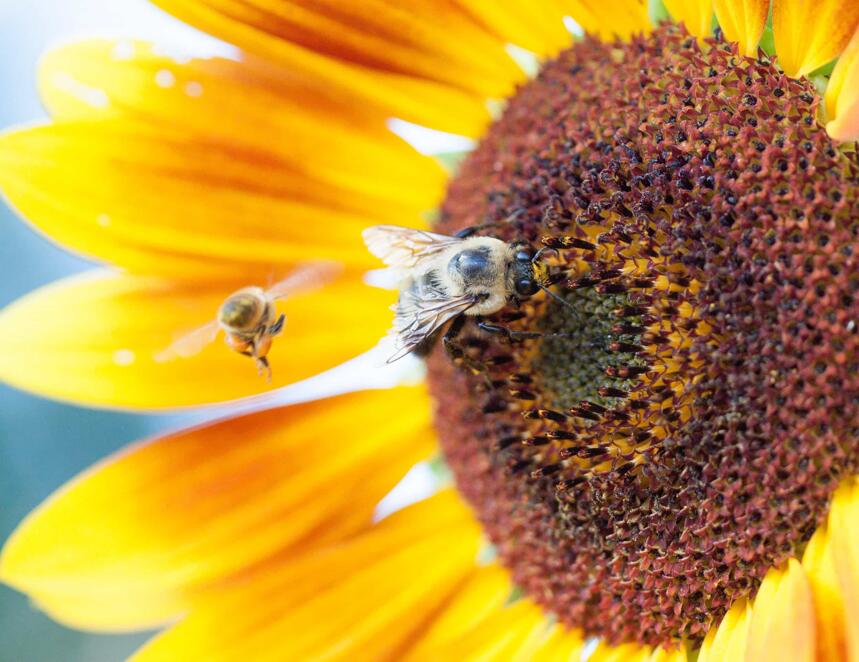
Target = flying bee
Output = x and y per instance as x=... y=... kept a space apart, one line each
x=443 y=279
x=249 y=317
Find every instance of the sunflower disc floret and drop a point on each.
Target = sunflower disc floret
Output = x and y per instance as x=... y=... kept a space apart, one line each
x=684 y=421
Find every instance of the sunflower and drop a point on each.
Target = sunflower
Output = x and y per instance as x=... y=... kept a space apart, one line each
x=664 y=467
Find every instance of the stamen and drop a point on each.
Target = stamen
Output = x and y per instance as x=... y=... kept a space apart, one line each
x=547 y=470
x=536 y=441
x=568 y=242
x=546 y=414
x=561 y=434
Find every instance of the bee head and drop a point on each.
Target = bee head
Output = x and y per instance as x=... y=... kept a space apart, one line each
x=523 y=272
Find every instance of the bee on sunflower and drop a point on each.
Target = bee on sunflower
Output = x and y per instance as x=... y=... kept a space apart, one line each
x=659 y=462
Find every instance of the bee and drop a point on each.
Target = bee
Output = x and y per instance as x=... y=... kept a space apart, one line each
x=445 y=278
x=249 y=318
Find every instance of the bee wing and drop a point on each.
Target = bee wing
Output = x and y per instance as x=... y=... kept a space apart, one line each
x=191 y=343
x=304 y=278
x=403 y=248
x=417 y=319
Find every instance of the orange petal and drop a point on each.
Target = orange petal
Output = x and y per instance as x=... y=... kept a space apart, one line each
x=743 y=21
x=727 y=642
x=536 y=26
x=819 y=567
x=368 y=598
x=214 y=198
x=696 y=15
x=844 y=538
x=97 y=339
x=421 y=61
x=610 y=20
x=810 y=34
x=842 y=94
x=165 y=525
x=783 y=621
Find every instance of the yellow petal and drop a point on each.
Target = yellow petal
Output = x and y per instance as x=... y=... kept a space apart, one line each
x=166 y=199
x=560 y=645
x=810 y=34
x=819 y=567
x=621 y=653
x=485 y=592
x=610 y=19
x=477 y=624
x=677 y=654
x=98 y=339
x=844 y=536
x=842 y=94
x=636 y=653
x=145 y=535
x=727 y=642
x=783 y=621
x=420 y=39
x=511 y=633
x=743 y=21
x=422 y=61
x=98 y=78
x=224 y=101
x=536 y=26
x=369 y=598
x=696 y=15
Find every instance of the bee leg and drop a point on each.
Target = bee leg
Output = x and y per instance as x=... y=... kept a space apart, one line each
x=454 y=350
x=263 y=368
x=277 y=327
x=465 y=233
x=457 y=352
x=512 y=336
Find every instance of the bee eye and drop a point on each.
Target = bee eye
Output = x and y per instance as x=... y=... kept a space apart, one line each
x=525 y=287
x=522 y=256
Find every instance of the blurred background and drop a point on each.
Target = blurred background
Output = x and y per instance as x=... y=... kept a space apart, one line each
x=42 y=443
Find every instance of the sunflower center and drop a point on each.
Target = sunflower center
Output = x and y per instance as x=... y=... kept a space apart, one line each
x=693 y=401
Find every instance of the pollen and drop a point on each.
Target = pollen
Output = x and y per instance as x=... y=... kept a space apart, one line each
x=686 y=411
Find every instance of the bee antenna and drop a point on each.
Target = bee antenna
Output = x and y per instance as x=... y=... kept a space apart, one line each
x=555 y=297
x=539 y=253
